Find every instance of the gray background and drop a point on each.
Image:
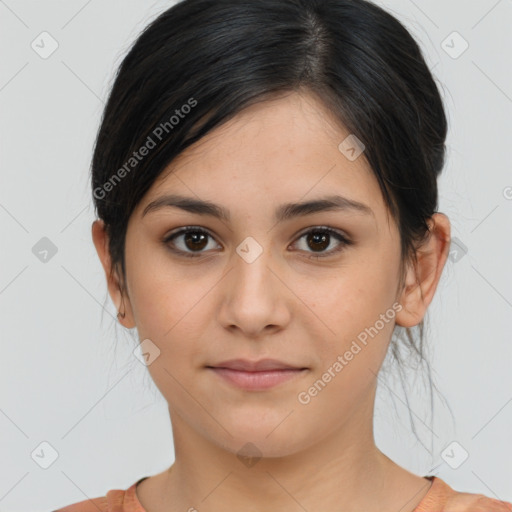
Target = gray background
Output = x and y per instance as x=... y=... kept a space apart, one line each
x=67 y=382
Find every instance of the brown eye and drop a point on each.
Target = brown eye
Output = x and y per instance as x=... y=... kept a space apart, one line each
x=318 y=239
x=194 y=240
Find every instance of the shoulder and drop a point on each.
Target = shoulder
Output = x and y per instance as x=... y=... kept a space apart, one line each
x=470 y=502
x=443 y=498
x=116 y=500
x=92 y=505
x=112 y=502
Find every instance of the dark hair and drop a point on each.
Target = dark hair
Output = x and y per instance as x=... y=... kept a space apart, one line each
x=201 y=62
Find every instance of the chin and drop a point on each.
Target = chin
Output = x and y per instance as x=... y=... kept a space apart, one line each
x=261 y=440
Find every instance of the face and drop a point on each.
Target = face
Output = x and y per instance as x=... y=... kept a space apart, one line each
x=315 y=290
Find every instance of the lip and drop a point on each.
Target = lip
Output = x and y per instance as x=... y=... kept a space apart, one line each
x=256 y=375
x=256 y=366
x=259 y=380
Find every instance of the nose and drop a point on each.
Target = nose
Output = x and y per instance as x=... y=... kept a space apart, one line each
x=254 y=298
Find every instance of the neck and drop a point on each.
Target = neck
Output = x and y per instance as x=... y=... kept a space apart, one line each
x=343 y=471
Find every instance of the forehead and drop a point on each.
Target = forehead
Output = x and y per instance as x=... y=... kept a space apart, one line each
x=273 y=152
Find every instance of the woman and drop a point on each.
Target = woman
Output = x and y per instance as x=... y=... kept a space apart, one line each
x=265 y=179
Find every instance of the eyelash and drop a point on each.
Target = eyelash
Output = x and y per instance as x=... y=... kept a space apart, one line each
x=319 y=229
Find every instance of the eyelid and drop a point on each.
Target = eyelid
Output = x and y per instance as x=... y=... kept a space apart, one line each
x=182 y=231
x=343 y=239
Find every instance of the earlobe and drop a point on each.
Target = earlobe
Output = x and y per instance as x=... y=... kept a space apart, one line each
x=411 y=301
x=101 y=242
x=423 y=277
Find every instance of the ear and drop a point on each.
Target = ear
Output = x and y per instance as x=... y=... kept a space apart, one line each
x=422 y=280
x=114 y=281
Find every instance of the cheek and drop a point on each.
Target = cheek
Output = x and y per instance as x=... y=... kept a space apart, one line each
x=369 y=289
x=351 y=301
x=349 y=360
x=355 y=315
x=164 y=297
x=172 y=308
x=167 y=313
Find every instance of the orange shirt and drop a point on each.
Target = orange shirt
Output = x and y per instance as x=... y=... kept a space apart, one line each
x=440 y=498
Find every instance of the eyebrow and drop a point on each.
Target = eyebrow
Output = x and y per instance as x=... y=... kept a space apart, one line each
x=283 y=213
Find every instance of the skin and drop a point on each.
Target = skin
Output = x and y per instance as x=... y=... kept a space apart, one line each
x=321 y=455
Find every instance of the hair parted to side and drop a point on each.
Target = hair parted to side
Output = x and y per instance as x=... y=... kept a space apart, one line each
x=201 y=62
